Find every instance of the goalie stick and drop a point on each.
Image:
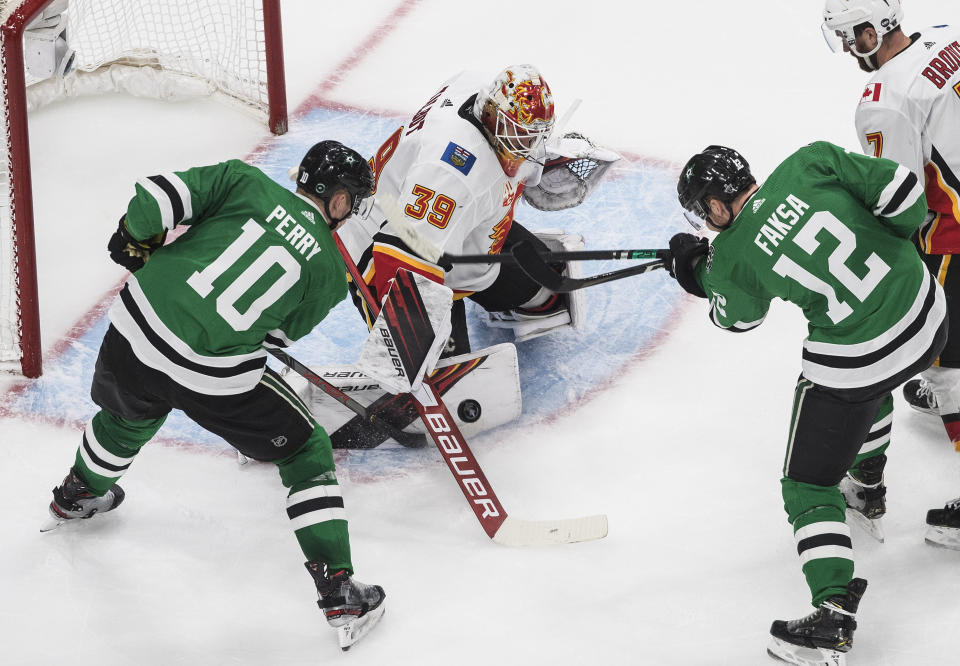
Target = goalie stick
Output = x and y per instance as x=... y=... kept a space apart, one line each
x=533 y=264
x=493 y=518
x=409 y=439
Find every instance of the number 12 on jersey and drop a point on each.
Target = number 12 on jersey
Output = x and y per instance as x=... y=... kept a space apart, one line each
x=861 y=288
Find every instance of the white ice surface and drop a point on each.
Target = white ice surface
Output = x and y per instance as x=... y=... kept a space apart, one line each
x=683 y=451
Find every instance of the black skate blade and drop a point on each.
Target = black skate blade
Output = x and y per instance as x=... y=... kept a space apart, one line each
x=350 y=634
x=804 y=656
x=873 y=527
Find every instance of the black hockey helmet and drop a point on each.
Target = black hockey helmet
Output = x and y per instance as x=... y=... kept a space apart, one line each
x=718 y=172
x=330 y=165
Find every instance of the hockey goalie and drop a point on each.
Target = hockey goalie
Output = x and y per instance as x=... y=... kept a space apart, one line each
x=449 y=181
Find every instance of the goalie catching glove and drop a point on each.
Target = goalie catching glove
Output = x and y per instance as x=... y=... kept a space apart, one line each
x=686 y=251
x=129 y=252
x=574 y=168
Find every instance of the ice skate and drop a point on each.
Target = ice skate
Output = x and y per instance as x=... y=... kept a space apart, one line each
x=72 y=499
x=919 y=395
x=351 y=607
x=943 y=526
x=865 y=496
x=823 y=637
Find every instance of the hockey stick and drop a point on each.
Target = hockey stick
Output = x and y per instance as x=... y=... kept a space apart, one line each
x=446 y=260
x=429 y=251
x=409 y=439
x=453 y=447
x=532 y=263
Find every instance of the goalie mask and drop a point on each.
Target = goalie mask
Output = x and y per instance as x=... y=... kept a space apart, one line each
x=329 y=166
x=717 y=172
x=516 y=112
x=841 y=17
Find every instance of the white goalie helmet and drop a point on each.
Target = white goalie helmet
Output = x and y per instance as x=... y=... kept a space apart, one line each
x=516 y=111
x=841 y=16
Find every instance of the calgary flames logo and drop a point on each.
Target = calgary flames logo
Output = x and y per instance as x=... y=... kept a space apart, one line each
x=500 y=231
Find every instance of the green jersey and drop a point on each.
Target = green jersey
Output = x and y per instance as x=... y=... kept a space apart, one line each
x=829 y=231
x=257 y=267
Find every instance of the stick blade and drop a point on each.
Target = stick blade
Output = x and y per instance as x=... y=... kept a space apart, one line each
x=536 y=267
x=523 y=533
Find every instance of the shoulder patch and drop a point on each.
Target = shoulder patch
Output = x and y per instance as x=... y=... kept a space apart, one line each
x=459 y=158
x=871 y=93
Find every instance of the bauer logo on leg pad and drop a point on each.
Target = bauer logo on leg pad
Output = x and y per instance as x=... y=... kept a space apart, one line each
x=409 y=334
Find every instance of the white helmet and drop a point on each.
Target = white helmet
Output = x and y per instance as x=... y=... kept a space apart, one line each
x=516 y=112
x=840 y=17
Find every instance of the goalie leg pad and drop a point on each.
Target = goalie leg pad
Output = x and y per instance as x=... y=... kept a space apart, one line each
x=568 y=312
x=482 y=390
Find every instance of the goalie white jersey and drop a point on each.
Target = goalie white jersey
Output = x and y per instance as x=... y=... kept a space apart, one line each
x=910 y=113
x=441 y=175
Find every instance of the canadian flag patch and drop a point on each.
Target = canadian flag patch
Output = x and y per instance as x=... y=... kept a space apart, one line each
x=871 y=93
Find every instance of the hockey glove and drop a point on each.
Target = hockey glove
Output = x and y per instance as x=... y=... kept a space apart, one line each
x=685 y=253
x=129 y=252
x=574 y=167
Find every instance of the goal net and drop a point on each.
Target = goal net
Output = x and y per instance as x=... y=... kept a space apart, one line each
x=164 y=49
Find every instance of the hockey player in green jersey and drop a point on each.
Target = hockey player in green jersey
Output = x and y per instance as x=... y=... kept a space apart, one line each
x=828 y=231
x=258 y=267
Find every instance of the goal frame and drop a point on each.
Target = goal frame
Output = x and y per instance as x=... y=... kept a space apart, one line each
x=18 y=149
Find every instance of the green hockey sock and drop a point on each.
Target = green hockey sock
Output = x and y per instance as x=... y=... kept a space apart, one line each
x=108 y=447
x=817 y=514
x=315 y=505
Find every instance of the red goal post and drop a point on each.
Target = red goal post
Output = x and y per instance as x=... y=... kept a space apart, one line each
x=230 y=49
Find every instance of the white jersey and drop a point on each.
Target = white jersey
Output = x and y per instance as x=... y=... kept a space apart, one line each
x=442 y=175
x=910 y=113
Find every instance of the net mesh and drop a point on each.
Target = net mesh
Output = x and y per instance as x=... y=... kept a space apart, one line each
x=9 y=299
x=220 y=42
x=184 y=48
